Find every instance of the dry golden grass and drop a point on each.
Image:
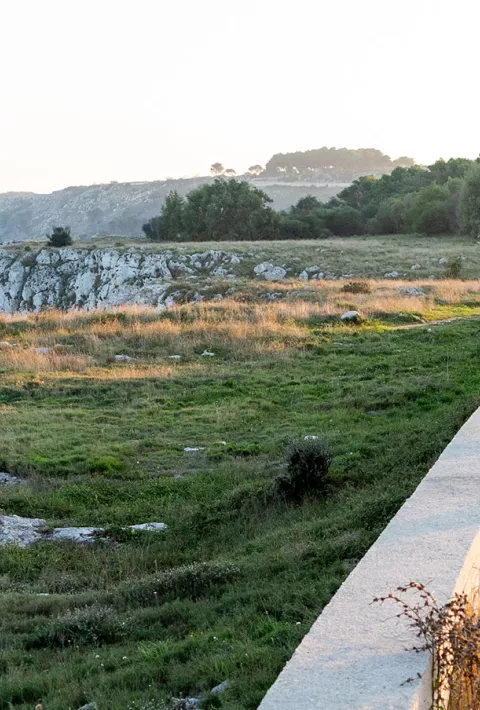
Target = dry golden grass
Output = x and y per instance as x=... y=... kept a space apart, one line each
x=236 y=328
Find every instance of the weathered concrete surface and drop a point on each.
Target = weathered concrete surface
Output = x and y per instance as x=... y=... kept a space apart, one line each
x=354 y=656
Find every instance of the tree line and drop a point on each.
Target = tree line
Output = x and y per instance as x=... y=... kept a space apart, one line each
x=443 y=198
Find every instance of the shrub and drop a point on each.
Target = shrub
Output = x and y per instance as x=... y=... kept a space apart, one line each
x=82 y=626
x=60 y=237
x=356 y=287
x=453 y=268
x=185 y=582
x=308 y=461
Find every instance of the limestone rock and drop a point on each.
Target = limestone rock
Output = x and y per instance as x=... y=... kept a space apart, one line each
x=392 y=275
x=351 y=317
x=80 y=535
x=415 y=267
x=15 y=530
x=6 y=479
x=443 y=261
x=410 y=290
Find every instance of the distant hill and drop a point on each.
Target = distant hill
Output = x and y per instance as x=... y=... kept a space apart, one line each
x=122 y=208
x=117 y=208
x=334 y=164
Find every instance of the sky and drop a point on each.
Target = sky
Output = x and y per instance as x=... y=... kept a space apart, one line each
x=98 y=90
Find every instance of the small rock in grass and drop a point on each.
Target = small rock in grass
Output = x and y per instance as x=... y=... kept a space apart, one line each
x=207 y=353
x=174 y=357
x=42 y=351
x=123 y=358
x=410 y=290
x=415 y=267
x=234 y=260
x=6 y=479
x=392 y=275
x=310 y=437
x=351 y=317
x=443 y=261
x=190 y=449
x=185 y=703
x=149 y=527
x=81 y=535
x=89 y=706
x=5 y=345
x=221 y=687
x=303 y=275
x=15 y=530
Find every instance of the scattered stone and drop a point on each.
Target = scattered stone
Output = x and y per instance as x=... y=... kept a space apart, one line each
x=5 y=345
x=269 y=272
x=189 y=449
x=415 y=267
x=174 y=357
x=123 y=358
x=42 y=351
x=260 y=268
x=410 y=290
x=15 y=530
x=392 y=275
x=89 y=706
x=185 y=703
x=310 y=437
x=351 y=317
x=303 y=275
x=27 y=531
x=6 y=479
x=207 y=353
x=312 y=269
x=221 y=687
x=235 y=260
x=218 y=297
x=443 y=261
x=79 y=535
x=219 y=271
x=149 y=527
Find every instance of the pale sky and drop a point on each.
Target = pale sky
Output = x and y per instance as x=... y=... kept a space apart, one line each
x=101 y=90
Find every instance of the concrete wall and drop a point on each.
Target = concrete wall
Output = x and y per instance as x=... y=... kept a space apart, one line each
x=354 y=656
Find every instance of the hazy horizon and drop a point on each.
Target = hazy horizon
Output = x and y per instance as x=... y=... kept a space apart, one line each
x=112 y=91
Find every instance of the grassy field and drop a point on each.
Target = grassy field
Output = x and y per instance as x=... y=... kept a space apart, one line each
x=228 y=591
x=369 y=257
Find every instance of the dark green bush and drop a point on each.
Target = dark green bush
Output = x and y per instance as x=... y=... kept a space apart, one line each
x=453 y=268
x=308 y=461
x=60 y=237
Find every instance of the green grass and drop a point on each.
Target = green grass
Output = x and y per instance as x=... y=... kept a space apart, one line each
x=228 y=591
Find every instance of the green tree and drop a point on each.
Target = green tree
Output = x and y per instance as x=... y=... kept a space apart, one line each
x=217 y=169
x=470 y=203
x=255 y=169
x=306 y=205
x=229 y=209
x=169 y=226
x=428 y=213
x=60 y=237
x=344 y=221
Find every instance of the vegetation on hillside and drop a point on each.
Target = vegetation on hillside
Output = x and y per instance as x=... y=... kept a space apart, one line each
x=60 y=237
x=441 y=199
x=256 y=543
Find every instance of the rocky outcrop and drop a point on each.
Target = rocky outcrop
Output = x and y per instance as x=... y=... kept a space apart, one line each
x=102 y=278
x=15 y=530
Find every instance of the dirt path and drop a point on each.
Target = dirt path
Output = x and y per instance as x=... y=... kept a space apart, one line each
x=458 y=319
